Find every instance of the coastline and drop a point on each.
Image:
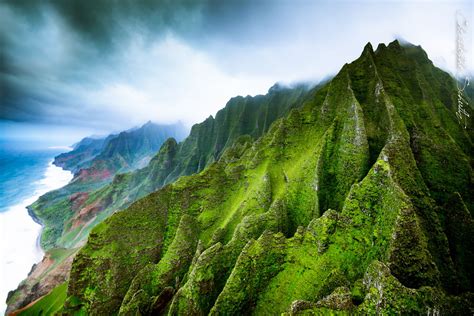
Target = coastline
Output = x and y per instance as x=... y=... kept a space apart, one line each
x=21 y=232
x=35 y=219
x=33 y=215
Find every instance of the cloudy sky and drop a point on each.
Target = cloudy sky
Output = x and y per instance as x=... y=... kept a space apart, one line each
x=79 y=67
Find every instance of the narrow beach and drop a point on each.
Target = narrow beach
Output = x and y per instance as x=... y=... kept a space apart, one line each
x=19 y=234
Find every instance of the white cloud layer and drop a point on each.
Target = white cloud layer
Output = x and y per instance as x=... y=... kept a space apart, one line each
x=189 y=76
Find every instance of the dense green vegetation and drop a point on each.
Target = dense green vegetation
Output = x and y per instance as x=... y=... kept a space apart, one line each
x=95 y=162
x=353 y=196
x=359 y=200
x=249 y=116
x=48 y=305
x=71 y=212
x=62 y=212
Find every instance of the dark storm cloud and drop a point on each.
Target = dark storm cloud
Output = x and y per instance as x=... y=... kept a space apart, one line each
x=85 y=37
x=106 y=22
x=98 y=28
x=115 y=63
x=101 y=21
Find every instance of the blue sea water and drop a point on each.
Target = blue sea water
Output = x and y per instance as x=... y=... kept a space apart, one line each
x=20 y=171
x=25 y=174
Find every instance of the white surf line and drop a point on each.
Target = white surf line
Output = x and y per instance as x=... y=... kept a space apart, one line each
x=19 y=235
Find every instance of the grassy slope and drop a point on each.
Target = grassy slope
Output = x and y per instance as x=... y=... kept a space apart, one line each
x=70 y=216
x=379 y=145
x=250 y=116
x=118 y=153
x=50 y=304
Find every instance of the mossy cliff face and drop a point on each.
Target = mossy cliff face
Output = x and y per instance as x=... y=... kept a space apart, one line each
x=207 y=141
x=94 y=163
x=70 y=213
x=65 y=213
x=359 y=200
x=100 y=187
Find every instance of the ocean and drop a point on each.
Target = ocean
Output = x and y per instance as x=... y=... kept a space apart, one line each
x=25 y=175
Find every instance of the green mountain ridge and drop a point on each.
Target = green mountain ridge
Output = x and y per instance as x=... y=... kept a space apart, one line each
x=119 y=152
x=90 y=159
x=128 y=150
x=125 y=151
x=359 y=200
x=82 y=153
x=87 y=208
x=250 y=116
x=247 y=117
